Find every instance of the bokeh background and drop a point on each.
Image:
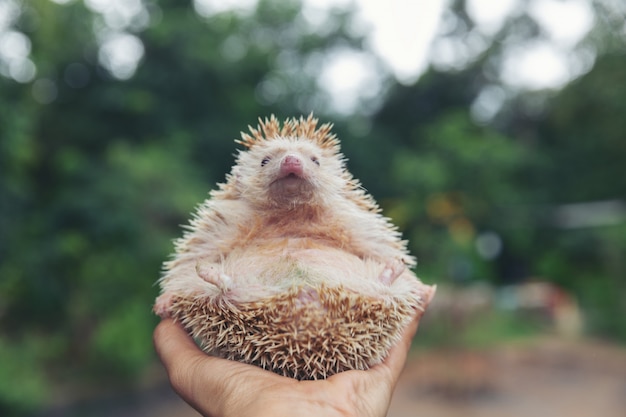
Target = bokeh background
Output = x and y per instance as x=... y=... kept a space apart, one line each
x=492 y=133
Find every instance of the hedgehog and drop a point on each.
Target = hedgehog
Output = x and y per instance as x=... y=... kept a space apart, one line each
x=290 y=265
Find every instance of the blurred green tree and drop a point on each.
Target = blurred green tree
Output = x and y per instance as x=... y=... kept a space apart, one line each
x=103 y=156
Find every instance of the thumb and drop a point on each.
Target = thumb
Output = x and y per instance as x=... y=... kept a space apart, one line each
x=185 y=364
x=205 y=382
x=173 y=344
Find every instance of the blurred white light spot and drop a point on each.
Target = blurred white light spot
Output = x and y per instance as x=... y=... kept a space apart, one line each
x=120 y=55
x=592 y=214
x=402 y=33
x=9 y=12
x=455 y=53
x=121 y=14
x=22 y=70
x=349 y=76
x=61 y=2
x=208 y=8
x=566 y=21
x=488 y=245
x=14 y=45
x=449 y=53
x=581 y=61
x=269 y=91
x=233 y=48
x=14 y=62
x=315 y=12
x=490 y=15
x=100 y=6
x=488 y=104
x=535 y=66
x=44 y=91
x=327 y=4
x=399 y=31
x=123 y=7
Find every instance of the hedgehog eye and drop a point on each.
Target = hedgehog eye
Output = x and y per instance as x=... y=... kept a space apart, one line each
x=314 y=159
x=265 y=161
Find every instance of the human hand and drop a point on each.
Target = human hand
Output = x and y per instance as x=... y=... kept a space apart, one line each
x=222 y=388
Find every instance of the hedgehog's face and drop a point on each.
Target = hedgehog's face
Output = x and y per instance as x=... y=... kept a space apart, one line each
x=288 y=172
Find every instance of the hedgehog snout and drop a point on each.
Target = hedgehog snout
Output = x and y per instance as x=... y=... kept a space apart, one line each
x=291 y=164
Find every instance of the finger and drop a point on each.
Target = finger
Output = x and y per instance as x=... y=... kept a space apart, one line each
x=376 y=385
x=205 y=382
x=183 y=360
x=172 y=344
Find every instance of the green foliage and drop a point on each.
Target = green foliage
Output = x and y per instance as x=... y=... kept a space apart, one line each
x=582 y=152
x=447 y=185
x=483 y=329
x=95 y=184
x=23 y=383
x=122 y=344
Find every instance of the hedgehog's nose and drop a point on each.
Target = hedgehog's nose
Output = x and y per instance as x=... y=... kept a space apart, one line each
x=291 y=164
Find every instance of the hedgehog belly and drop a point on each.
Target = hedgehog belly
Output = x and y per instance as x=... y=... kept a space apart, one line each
x=303 y=333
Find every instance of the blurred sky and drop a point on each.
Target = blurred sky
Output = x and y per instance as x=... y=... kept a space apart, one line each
x=408 y=35
x=404 y=31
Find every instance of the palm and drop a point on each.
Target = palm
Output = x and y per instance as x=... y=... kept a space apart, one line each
x=219 y=387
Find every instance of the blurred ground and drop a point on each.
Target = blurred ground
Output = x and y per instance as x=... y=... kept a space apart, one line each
x=544 y=376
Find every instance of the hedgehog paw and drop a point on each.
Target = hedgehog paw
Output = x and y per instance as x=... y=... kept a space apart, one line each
x=392 y=270
x=163 y=304
x=307 y=297
x=211 y=274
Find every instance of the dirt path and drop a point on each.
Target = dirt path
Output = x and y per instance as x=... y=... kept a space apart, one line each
x=547 y=377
